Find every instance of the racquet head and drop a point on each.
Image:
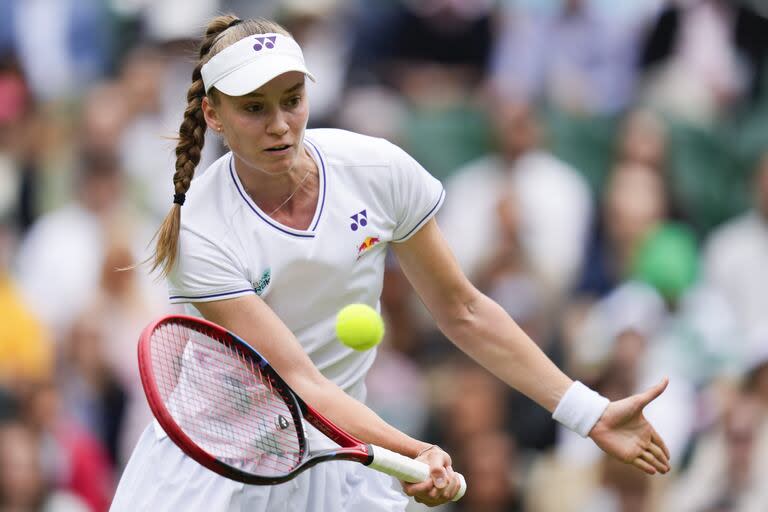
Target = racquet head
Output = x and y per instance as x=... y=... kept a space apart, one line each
x=220 y=401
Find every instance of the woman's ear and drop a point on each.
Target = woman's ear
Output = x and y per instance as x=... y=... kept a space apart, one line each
x=211 y=115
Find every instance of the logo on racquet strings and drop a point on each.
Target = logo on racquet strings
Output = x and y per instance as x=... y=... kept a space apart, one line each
x=263 y=282
x=282 y=422
x=264 y=42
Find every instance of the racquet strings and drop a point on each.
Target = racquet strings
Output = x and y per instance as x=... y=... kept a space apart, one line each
x=223 y=401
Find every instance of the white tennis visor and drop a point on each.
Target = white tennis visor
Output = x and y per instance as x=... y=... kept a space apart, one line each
x=252 y=62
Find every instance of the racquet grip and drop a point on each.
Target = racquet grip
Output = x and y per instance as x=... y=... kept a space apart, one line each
x=405 y=468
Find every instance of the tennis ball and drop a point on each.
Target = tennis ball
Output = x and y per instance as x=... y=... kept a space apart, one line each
x=359 y=326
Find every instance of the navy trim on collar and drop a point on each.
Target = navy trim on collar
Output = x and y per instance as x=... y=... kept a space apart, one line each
x=284 y=229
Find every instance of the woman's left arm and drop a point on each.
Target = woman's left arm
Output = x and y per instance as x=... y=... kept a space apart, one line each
x=485 y=332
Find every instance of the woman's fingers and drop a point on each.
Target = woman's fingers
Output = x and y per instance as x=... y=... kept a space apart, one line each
x=657 y=440
x=418 y=488
x=453 y=487
x=437 y=496
x=654 y=457
x=659 y=454
x=439 y=477
x=640 y=463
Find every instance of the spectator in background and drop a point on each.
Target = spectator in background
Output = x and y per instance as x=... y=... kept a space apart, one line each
x=702 y=57
x=634 y=203
x=574 y=57
x=728 y=466
x=103 y=116
x=89 y=388
x=118 y=310
x=59 y=261
x=472 y=395
x=643 y=140
x=23 y=485
x=508 y=275
x=551 y=199
x=735 y=256
x=493 y=477
x=417 y=41
x=484 y=414
x=620 y=490
x=72 y=458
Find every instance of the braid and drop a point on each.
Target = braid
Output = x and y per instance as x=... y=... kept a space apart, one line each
x=188 y=149
x=191 y=135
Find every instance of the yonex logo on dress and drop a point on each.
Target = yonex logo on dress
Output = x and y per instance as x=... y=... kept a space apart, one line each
x=360 y=218
x=261 y=42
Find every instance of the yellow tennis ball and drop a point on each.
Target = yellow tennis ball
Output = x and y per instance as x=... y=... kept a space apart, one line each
x=359 y=326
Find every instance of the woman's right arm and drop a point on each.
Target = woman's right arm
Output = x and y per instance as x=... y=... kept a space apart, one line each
x=254 y=321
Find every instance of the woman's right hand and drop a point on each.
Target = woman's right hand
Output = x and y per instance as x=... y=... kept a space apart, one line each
x=443 y=483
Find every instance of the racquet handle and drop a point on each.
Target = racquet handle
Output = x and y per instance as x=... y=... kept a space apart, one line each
x=405 y=468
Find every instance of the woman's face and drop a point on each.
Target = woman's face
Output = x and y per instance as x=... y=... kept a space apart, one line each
x=265 y=128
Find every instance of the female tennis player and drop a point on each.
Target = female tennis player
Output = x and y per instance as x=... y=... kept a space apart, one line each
x=282 y=232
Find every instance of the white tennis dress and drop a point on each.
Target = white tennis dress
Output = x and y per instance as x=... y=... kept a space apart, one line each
x=371 y=193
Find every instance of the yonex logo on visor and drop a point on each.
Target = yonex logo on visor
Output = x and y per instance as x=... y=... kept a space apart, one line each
x=251 y=62
x=268 y=42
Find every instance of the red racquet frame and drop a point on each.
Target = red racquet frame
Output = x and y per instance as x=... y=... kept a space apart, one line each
x=351 y=448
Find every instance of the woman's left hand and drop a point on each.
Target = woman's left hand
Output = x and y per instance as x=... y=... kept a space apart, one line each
x=624 y=433
x=443 y=483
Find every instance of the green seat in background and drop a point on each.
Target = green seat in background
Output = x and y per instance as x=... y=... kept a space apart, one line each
x=707 y=173
x=584 y=141
x=443 y=139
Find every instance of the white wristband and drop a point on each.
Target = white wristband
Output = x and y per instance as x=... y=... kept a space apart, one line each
x=580 y=408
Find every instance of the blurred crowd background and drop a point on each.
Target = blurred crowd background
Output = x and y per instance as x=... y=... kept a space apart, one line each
x=606 y=168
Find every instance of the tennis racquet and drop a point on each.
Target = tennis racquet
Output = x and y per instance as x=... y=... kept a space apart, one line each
x=228 y=409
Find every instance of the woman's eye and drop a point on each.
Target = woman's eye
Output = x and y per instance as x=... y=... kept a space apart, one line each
x=254 y=108
x=294 y=101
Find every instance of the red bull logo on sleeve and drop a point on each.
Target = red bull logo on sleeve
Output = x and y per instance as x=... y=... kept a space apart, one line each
x=366 y=245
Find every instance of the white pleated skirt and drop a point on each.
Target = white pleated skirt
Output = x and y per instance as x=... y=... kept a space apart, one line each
x=159 y=477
